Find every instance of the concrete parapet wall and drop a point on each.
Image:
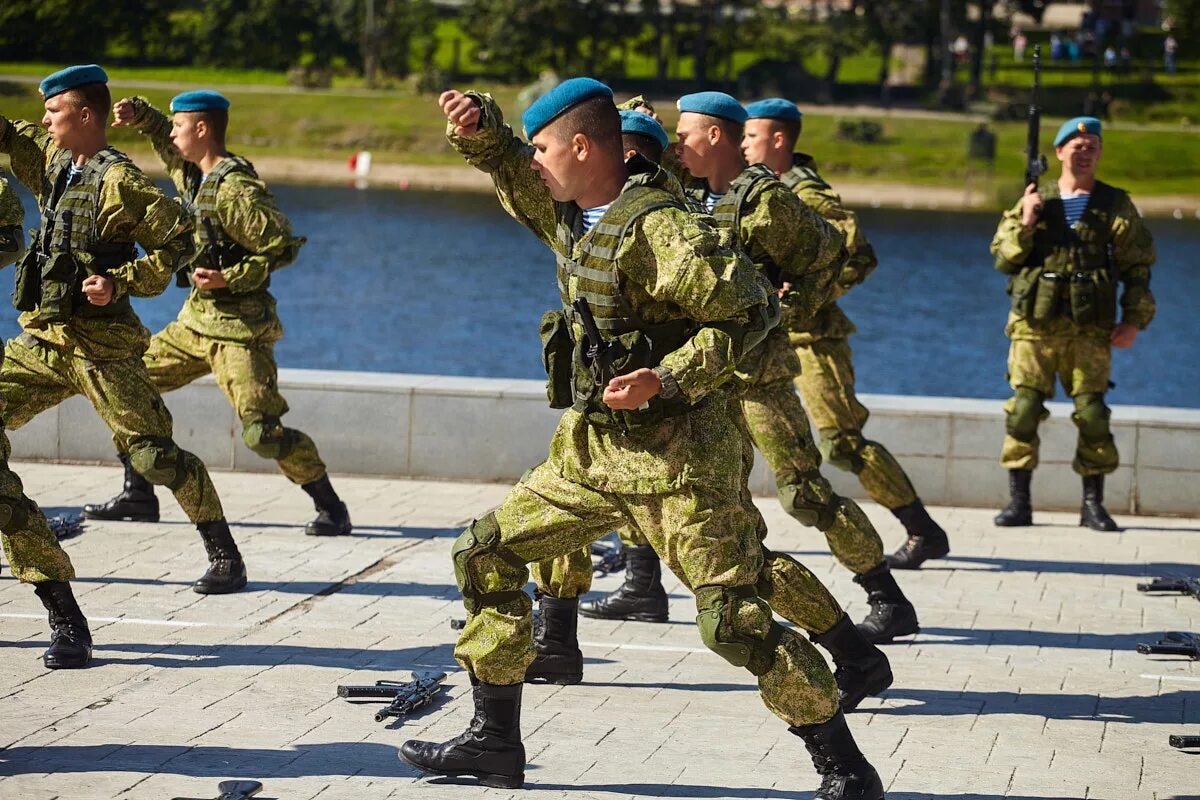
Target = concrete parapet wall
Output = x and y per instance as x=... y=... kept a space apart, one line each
x=437 y=426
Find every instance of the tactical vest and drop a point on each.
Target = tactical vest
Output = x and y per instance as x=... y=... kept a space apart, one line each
x=215 y=248
x=594 y=277
x=802 y=171
x=1070 y=270
x=68 y=247
x=727 y=213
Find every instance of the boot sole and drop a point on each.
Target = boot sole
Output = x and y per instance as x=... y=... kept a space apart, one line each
x=893 y=636
x=637 y=616
x=120 y=517
x=485 y=778
x=64 y=665
x=556 y=680
x=237 y=587
x=323 y=532
x=915 y=563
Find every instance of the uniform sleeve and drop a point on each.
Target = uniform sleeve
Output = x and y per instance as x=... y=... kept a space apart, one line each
x=11 y=210
x=30 y=151
x=679 y=259
x=1013 y=242
x=828 y=203
x=496 y=150
x=1133 y=256
x=155 y=126
x=132 y=209
x=249 y=216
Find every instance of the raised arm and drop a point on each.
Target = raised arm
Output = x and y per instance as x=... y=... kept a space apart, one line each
x=29 y=149
x=138 y=113
x=1013 y=242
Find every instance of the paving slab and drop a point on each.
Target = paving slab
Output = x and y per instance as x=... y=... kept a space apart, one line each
x=1024 y=682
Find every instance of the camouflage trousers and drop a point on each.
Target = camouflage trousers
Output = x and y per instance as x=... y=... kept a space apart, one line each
x=37 y=376
x=33 y=552
x=706 y=536
x=1083 y=365
x=248 y=378
x=826 y=385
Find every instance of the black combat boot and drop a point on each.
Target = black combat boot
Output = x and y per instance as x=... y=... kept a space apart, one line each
x=559 y=659
x=332 y=517
x=226 y=570
x=641 y=597
x=862 y=668
x=926 y=539
x=1019 y=512
x=136 y=501
x=891 y=613
x=845 y=772
x=489 y=749
x=1092 y=513
x=70 y=639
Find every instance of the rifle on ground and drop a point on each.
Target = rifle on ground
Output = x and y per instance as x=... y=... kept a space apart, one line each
x=1183 y=742
x=1173 y=585
x=1175 y=643
x=406 y=696
x=610 y=557
x=1035 y=162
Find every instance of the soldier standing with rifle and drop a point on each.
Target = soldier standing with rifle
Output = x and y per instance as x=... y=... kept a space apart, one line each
x=1066 y=247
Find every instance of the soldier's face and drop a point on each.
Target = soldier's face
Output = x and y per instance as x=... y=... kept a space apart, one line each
x=186 y=136
x=558 y=162
x=696 y=142
x=758 y=141
x=64 y=121
x=1080 y=154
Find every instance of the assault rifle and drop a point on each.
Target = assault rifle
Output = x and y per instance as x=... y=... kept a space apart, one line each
x=1183 y=742
x=1035 y=162
x=406 y=696
x=600 y=352
x=234 y=790
x=1175 y=643
x=611 y=557
x=1173 y=585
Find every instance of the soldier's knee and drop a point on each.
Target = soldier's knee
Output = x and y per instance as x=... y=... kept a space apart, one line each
x=1091 y=417
x=266 y=437
x=843 y=449
x=1025 y=412
x=159 y=461
x=718 y=620
x=14 y=513
x=810 y=500
x=481 y=542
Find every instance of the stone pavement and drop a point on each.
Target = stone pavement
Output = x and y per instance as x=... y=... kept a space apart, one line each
x=1023 y=683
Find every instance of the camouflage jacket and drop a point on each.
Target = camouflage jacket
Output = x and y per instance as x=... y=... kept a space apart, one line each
x=12 y=218
x=131 y=209
x=1133 y=255
x=249 y=216
x=672 y=266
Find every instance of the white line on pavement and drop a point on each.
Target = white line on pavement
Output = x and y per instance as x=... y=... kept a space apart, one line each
x=655 y=648
x=1186 y=678
x=165 y=623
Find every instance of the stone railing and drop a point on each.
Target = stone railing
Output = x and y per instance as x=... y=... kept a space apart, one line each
x=486 y=429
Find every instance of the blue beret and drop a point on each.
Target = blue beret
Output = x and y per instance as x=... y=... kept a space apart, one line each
x=71 y=78
x=644 y=124
x=560 y=99
x=713 y=104
x=1073 y=127
x=774 y=108
x=200 y=100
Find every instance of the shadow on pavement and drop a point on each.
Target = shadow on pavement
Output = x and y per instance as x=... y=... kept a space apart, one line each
x=1066 y=640
x=310 y=588
x=1168 y=708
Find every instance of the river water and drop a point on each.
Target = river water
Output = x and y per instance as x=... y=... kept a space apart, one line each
x=445 y=282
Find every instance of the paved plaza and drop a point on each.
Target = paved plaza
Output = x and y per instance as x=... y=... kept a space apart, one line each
x=1023 y=683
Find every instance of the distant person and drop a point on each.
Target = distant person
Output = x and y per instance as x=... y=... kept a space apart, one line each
x=1057 y=50
x=1019 y=43
x=1066 y=247
x=1073 y=50
x=1110 y=57
x=981 y=154
x=1170 y=49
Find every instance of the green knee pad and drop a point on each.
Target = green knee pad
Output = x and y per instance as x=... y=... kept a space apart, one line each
x=482 y=538
x=717 y=622
x=1025 y=412
x=810 y=501
x=842 y=449
x=266 y=437
x=14 y=513
x=159 y=461
x=1091 y=417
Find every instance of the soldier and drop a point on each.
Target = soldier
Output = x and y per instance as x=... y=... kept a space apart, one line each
x=228 y=325
x=80 y=333
x=826 y=380
x=1065 y=248
x=649 y=440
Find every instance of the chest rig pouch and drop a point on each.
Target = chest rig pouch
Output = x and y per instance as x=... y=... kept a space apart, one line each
x=68 y=248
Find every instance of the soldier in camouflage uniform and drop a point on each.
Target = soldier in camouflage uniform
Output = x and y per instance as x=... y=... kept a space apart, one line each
x=826 y=380
x=228 y=325
x=81 y=335
x=12 y=218
x=1066 y=247
x=648 y=441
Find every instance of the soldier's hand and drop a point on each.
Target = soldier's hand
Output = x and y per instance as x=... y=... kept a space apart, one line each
x=123 y=112
x=1123 y=335
x=461 y=111
x=98 y=289
x=1031 y=206
x=627 y=392
x=208 y=278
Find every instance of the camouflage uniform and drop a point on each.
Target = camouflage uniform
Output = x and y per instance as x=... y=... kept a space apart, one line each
x=95 y=354
x=12 y=218
x=1062 y=317
x=232 y=332
x=678 y=480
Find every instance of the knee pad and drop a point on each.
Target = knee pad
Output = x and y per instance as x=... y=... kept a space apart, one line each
x=479 y=540
x=159 y=461
x=810 y=501
x=1091 y=417
x=1025 y=412
x=266 y=437
x=718 y=621
x=843 y=449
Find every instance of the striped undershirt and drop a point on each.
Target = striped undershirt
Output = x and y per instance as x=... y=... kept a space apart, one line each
x=1074 y=205
x=711 y=199
x=592 y=215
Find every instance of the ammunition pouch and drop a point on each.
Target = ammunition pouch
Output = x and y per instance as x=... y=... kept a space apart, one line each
x=12 y=242
x=749 y=336
x=1050 y=296
x=558 y=353
x=27 y=289
x=60 y=287
x=1093 y=298
x=1022 y=288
